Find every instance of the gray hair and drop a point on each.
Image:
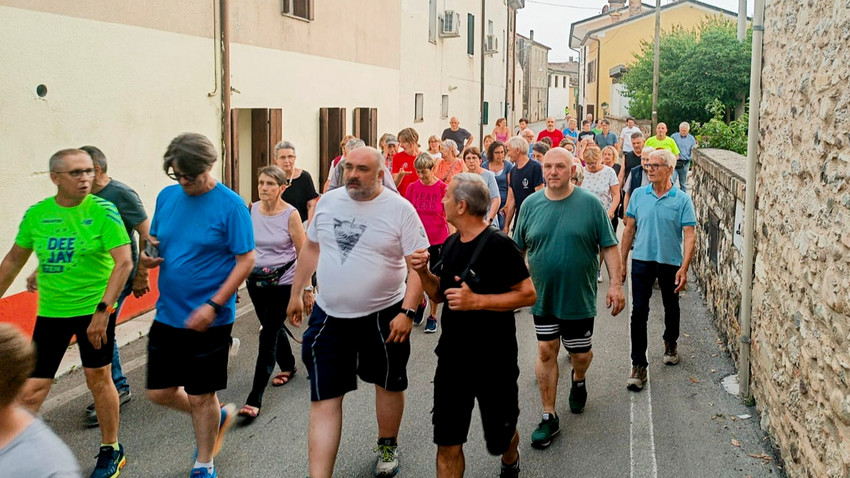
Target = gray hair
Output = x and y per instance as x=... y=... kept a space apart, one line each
x=471 y=189
x=423 y=161
x=273 y=172
x=283 y=145
x=666 y=156
x=451 y=145
x=193 y=153
x=685 y=124
x=526 y=130
x=518 y=142
x=637 y=135
x=58 y=156
x=540 y=147
x=647 y=150
x=97 y=156
x=354 y=143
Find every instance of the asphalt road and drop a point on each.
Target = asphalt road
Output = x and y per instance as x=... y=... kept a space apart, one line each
x=682 y=425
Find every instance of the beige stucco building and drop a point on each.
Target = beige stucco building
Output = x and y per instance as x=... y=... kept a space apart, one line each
x=129 y=76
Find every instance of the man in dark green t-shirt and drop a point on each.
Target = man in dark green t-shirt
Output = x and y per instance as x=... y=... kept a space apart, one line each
x=84 y=260
x=562 y=229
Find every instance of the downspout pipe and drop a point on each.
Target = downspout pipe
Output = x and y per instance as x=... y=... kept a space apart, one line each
x=598 y=80
x=483 y=39
x=745 y=319
x=231 y=176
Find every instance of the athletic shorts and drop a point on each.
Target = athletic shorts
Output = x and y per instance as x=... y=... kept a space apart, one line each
x=187 y=358
x=52 y=336
x=336 y=351
x=456 y=387
x=576 y=335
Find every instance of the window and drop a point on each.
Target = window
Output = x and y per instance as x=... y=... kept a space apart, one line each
x=470 y=34
x=298 y=8
x=444 y=107
x=419 y=107
x=432 y=21
x=556 y=80
x=489 y=27
x=591 y=72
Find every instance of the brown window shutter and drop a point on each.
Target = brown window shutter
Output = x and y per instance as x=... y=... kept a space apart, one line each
x=366 y=125
x=331 y=132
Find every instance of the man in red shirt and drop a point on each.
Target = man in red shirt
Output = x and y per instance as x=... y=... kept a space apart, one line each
x=403 y=170
x=551 y=132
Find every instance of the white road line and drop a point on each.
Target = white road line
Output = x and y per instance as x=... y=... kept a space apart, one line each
x=82 y=389
x=641 y=433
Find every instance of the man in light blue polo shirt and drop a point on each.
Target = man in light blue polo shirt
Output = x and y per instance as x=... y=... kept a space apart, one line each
x=686 y=142
x=657 y=218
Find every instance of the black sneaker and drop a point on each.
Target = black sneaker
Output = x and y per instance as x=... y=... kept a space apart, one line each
x=510 y=471
x=124 y=396
x=578 y=395
x=548 y=428
x=109 y=462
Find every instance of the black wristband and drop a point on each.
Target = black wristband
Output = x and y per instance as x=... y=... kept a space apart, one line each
x=216 y=307
x=410 y=313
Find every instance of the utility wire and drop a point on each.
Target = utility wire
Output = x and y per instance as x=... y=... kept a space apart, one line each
x=563 y=6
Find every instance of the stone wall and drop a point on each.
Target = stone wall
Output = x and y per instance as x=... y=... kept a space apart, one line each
x=619 y=122
x=801 y=291
x=718 y=187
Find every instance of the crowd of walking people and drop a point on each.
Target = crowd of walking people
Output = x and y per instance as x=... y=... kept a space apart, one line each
x=485 y=232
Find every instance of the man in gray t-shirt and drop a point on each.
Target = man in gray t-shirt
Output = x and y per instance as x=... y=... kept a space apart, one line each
x=28 y=448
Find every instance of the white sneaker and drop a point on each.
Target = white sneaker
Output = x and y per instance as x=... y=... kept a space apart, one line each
x=387 y=464
x=234 y=346
x=599 y=276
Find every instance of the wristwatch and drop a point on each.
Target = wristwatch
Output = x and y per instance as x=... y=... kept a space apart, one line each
x=410 y=313
x=104 y=307
x=216 y=307
x=309 y=288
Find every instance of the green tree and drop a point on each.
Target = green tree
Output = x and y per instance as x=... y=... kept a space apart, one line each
x=696 y=67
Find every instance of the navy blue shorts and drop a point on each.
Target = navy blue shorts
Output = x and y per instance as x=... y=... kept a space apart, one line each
x=336 y=351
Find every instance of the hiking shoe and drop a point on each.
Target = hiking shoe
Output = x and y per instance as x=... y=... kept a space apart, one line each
x=431 y=325
x=228 y=416
x=420 y=312
x=203 y=472
x=124 y=396
x=387 y=464
x=637 y=379
x=548 y=428
x=578 y=395
x=109 y=462
x=510 y=471
x=671 y=355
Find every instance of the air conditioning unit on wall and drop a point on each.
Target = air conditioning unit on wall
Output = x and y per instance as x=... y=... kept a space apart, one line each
x=450 y=24
x=491 y=46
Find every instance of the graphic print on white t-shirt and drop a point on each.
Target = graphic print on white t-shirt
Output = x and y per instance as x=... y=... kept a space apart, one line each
x=347 y=235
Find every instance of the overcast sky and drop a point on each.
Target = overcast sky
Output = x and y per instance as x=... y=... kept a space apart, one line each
x=551 y=19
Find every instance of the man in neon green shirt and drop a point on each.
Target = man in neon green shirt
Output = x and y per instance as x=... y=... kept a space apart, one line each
x=84 y=260
x=662 y=141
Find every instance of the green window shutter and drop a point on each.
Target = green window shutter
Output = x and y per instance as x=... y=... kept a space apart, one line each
x=470 y=34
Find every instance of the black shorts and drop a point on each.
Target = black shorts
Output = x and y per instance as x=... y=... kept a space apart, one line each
x=52 y=336
x=336 y=351
x=576 y=335
x=456 y=386
x=187 y=358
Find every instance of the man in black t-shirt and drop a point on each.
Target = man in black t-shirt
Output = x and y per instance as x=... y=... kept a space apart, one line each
x=632 y=158
x=462 y=137
x=482 y=277
x=524 y=179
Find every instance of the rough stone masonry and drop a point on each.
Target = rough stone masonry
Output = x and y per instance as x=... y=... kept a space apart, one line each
x=801 y=291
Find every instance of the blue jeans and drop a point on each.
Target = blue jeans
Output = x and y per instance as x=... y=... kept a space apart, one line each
x=681 y=172
x=118 y=377
x=643 y=277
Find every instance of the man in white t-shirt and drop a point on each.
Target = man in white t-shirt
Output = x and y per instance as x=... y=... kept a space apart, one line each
x=361 y=234
x=626 y=135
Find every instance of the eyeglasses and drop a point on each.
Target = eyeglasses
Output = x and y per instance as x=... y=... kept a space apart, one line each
x=178 y=176
x=653 y=166
x=290 y=157
x=78 y=173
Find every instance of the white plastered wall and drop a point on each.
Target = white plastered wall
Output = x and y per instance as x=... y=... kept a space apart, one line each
x=125 y=89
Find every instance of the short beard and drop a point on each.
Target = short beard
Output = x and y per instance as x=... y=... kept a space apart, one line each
x=361 y=194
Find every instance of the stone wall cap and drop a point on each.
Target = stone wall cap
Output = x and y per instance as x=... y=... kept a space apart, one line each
x=732 y=162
